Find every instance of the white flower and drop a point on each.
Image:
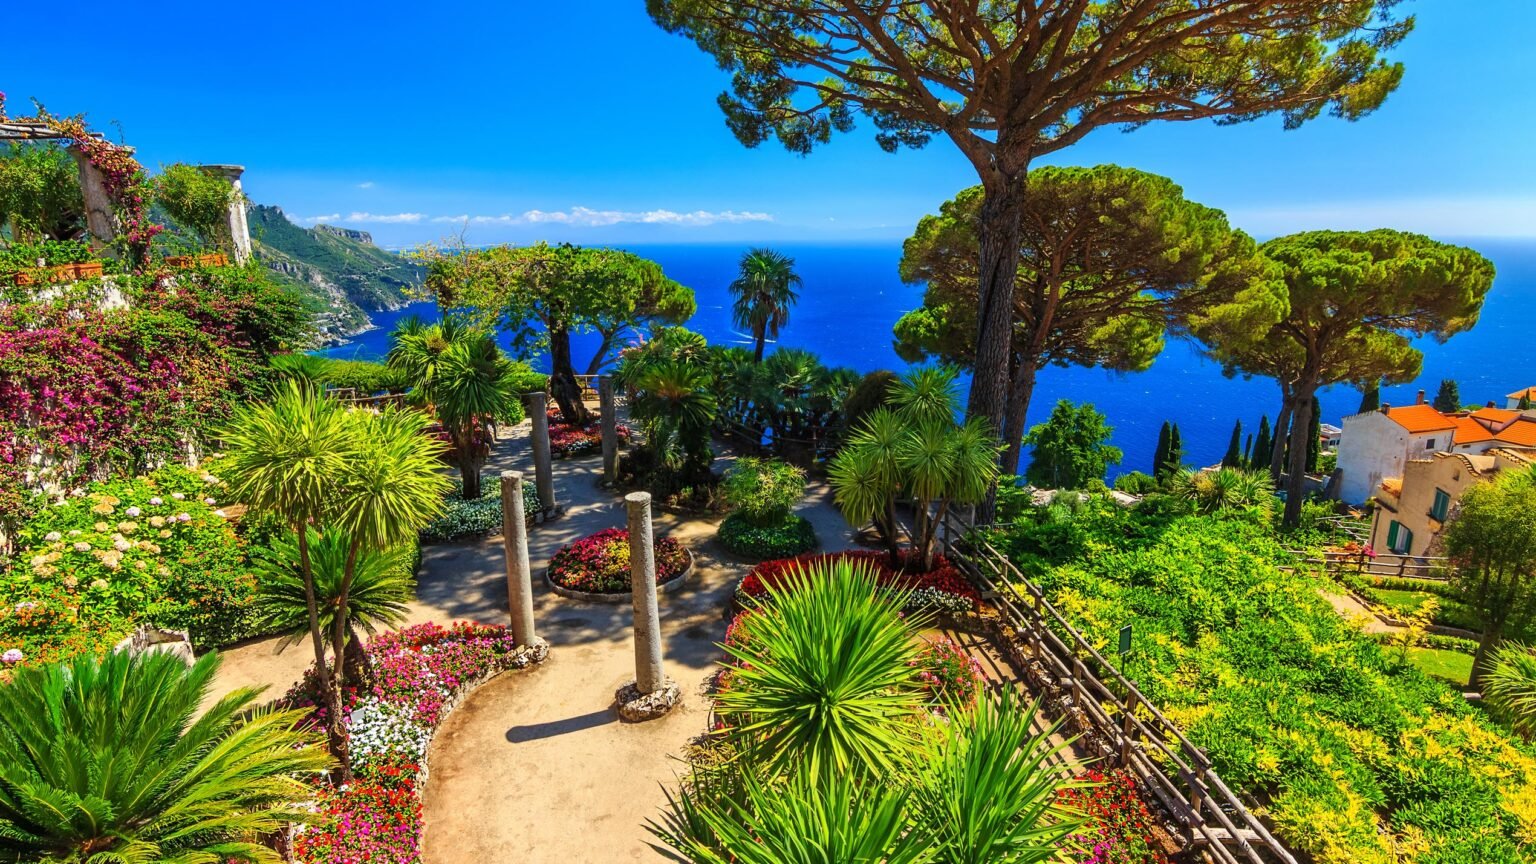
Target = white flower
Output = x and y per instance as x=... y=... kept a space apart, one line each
x=381 y=729
x=12 y=655
x=183 y=517
x=53 y=536
x=82 y=546
x=121 y=545
x=209 y=501
x=134 y=511
x=155 y=501
x=221 y=514
x=179 y=496
x=209 y=478
x=74 y=532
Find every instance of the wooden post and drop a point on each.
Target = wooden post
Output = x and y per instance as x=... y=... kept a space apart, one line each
x=610 y=429
x=514 y=538
x=543 y=470
x=1128 y=729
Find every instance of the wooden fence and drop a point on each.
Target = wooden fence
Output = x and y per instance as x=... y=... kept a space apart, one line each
x=1357 y=562
x=1109 y=709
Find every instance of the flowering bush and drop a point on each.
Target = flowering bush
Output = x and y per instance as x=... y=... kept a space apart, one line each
x=477 y=518
x=948 y=674
x=599 y=564
x=943 y=588
x=151 y=549
x=1119 y=826
x=791 y=535
x=417 y=671
x=570 y=440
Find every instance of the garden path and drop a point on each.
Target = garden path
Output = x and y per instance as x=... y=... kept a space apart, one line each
x=1354 y=610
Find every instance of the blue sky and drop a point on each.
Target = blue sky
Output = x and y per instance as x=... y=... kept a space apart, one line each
x=585 y=122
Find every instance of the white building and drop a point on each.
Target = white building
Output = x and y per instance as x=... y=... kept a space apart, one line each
x=1513 y=400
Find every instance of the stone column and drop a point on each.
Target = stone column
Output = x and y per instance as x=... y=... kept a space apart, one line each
x=239 y=229
x=642 y=578
x=100 y=215
x=543 y=471
x=610 y=429
x=514 y=539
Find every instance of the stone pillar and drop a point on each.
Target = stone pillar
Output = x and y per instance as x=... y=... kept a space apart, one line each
x=100 y=215
x=610 y=429
x=237 y=226
x=543 y=471
x=514 y=539
x=642 y=578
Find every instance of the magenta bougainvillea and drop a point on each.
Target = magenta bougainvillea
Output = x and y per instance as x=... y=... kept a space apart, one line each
x=599 y=564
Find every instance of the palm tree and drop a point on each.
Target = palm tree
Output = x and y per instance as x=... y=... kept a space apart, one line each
x=107 y=760
x=823 y=674
x=674 y=404
x=381 y=589
x=1510 y=687
x=371 y=476
x=764 y=291
x=466 y=381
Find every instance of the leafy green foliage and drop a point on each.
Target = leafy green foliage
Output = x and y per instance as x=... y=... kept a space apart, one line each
x=1448 y=397
x=1510 y=687
x=382 y=585
x=785 y=537
x=1492 y=545
x=40 y=192
x=1070 y=449
x=474 y=517
x=1136 y=483
x=673 y=404
x=197 y=200
x=1225 y=490
x=764 y=291
x=1354 y=753
x=110 y=759
x=763 y=490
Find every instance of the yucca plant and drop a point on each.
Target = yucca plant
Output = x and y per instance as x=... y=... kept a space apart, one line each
x=382 y=586
x=1224 y=490
x=806 y=818
x=108 y=761
x=985 y=789
x=822 y=676
x=1510 y=687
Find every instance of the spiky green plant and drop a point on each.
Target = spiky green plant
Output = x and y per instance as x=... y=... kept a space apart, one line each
x=108 y=761
x=1510 y=687
x=822 y=676
x=673 y=403
x=807 y=818
x=1223 y=490
x=986 y=787
x=382 y=587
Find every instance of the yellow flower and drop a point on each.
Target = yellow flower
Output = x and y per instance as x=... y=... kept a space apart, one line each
x=102 y=508
x=101 y=527
x=157 y=521
x=127 y=527
x=165 y=532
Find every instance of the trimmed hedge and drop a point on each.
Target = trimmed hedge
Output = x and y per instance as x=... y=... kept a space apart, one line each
x=790 y=537
x=477 y=518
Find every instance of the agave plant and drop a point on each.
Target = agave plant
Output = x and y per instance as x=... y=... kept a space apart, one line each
x=986 y=786
x=382 y=586
x=1225 y=489
x=822 y=676
x=108 y=761
x=1510 y=687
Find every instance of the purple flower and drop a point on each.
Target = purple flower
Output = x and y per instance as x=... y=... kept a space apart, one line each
x=12 y=655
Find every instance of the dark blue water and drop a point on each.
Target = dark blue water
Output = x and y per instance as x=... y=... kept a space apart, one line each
x=852 y=295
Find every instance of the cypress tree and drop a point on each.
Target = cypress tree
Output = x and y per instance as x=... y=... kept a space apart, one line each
x=1247 y=453
x=1160 y=455
x=1314 y=441
x=1370 y=397
x=1448 y=397
x=1525 y=402
x=1234 y=457
x=1261 y=446
x=1175 y=459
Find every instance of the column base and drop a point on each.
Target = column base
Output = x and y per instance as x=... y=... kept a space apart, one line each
x=637 y=707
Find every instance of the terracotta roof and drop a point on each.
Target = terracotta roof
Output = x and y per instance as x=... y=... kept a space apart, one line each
x=1392 y=486
x=1420 y=418
x=1496 y=416
x=1469 y=431
x=1524 y=457
x=1529 y=393
x=1522 y=433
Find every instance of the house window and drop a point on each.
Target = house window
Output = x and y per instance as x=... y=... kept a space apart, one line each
x=1399 y=538
x=1430 y=444
x=1441 y=506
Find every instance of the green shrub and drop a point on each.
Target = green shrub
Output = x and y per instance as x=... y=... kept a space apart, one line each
x=791 y=536
x=364 y=377
x=763 y=491
x=1136 y=483
x=196 y=199
x=873 y=391
x=477 y=518
x=144 y=550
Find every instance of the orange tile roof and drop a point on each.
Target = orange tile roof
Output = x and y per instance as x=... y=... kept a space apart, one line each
x=1495 y=416
x=1528 y=393
x=1469 y=431
x=1420 y=418
x=1522 y=433
x=1392 y=486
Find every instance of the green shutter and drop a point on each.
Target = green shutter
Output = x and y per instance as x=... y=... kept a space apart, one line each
x=1392 y=535
x=1442 y=505
x=1407 y=538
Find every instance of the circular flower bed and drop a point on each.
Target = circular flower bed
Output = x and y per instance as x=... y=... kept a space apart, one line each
x=942 y=589
x=566 y=440
x=741 y=536
x=599 y=564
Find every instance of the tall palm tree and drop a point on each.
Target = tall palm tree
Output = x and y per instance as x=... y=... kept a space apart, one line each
x=107 y=760
x=464 y=379
x=765 y=290
x=381 y=589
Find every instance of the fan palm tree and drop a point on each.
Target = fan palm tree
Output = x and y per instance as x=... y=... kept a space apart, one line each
x=674 y=404
x=462 y=376
x=107 y=761
x=1510 y=687
x=822 y=675
x=381 y=589
x=765 y=291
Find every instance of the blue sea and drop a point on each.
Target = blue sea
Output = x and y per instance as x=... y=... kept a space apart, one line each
x=852 y=296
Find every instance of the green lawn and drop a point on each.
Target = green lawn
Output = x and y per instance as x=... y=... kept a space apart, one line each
x=1453 y=667
x=1403 y=602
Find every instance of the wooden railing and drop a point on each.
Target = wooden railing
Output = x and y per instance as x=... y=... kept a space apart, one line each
x=1357 y=562
x=1112 y=710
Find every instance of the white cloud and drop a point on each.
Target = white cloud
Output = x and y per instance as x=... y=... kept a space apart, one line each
x=1450 y=217
x=313 y=220
x=386 y=218
x=366 y=184
x=587 y=217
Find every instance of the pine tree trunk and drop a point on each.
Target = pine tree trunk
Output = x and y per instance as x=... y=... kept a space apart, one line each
x=562 y=377
x=1282 y=433
x=1296 y=471
x=1020 y=390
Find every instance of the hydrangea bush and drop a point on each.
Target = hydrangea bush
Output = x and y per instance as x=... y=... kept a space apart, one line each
x=942 y=589
x=599 y=564
x=477 y=518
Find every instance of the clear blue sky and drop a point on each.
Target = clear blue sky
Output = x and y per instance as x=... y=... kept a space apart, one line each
x=397 y=117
